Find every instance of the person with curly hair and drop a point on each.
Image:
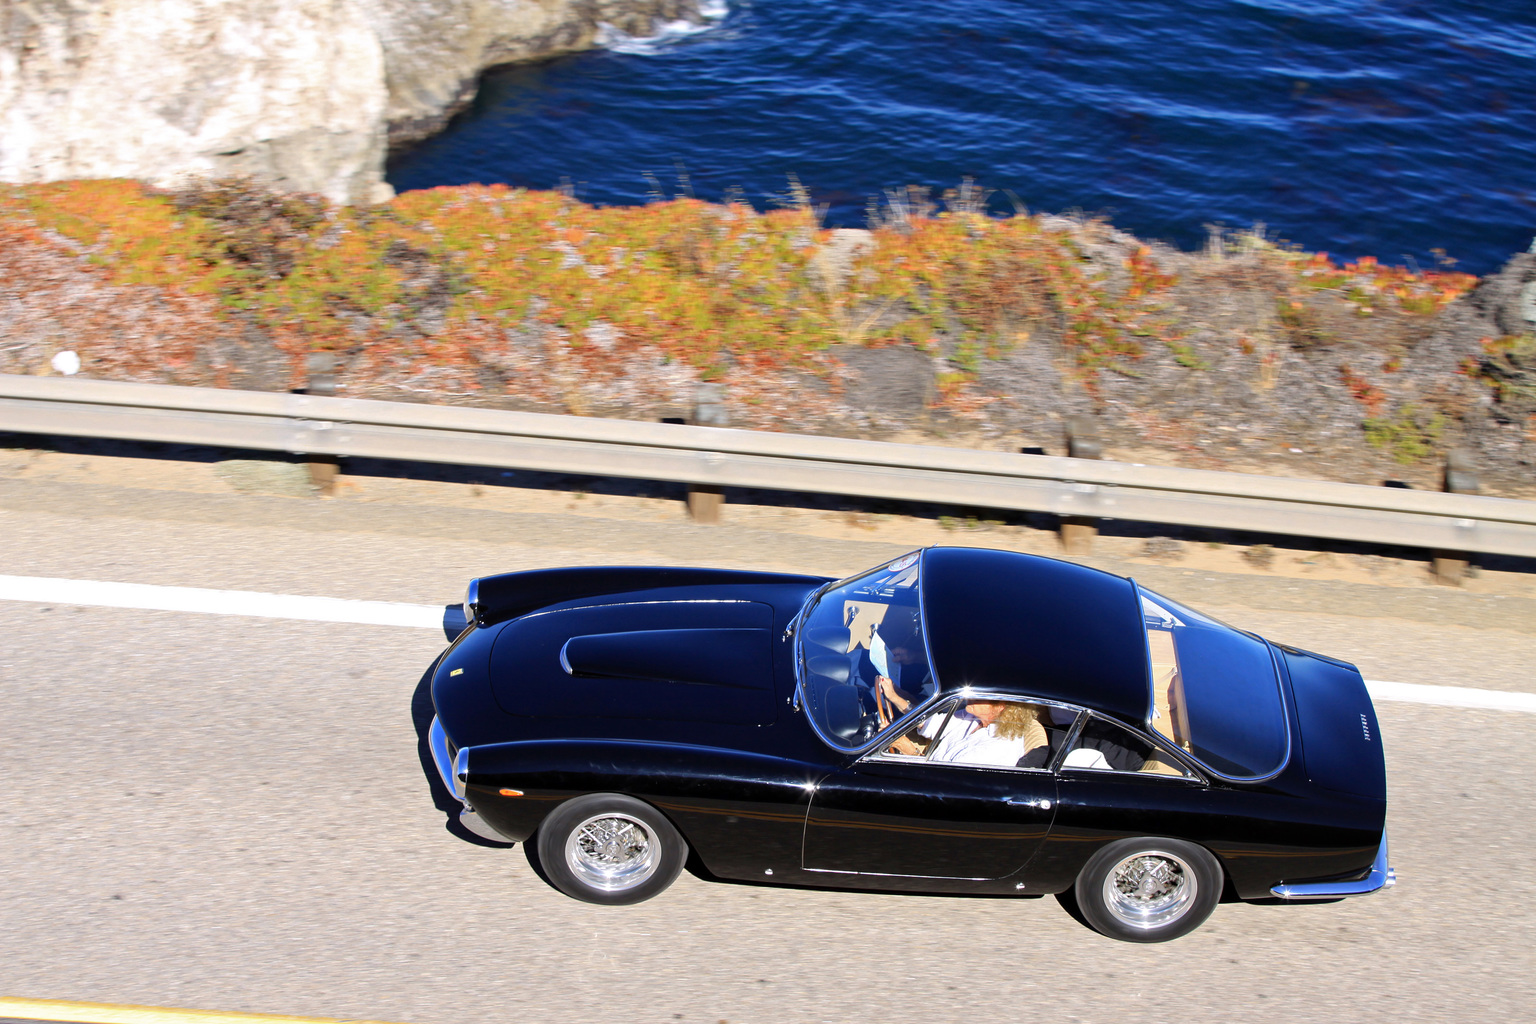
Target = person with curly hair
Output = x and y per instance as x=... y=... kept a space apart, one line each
x=981 y=732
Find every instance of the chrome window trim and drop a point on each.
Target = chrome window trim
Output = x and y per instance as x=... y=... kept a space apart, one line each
x=904 y=759
x=1073 y=732
x=1381 y=876
x=1281 y=684
x=922 y=617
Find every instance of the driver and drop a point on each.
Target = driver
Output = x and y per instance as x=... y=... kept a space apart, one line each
x=907 y=679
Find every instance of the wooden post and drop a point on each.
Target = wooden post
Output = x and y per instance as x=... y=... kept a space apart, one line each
x=1450 y=567
x=705 y=501
x=323 y=469
x=1077 y=532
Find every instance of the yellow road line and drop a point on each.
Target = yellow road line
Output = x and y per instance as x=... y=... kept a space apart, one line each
x=113 y=1013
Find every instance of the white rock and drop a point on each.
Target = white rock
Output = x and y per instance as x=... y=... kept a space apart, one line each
x=303 y=93
x=67 y=363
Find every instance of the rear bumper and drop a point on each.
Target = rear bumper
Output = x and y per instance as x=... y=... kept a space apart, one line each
x=1381 y=876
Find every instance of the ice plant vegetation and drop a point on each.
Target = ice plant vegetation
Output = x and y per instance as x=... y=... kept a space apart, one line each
x=496 y=294
x=708 y=285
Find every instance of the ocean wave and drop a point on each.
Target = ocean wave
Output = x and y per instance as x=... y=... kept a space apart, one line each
x=1357 y=129
x=663 y=33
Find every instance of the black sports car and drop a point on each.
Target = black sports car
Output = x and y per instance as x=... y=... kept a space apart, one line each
x=958 y=720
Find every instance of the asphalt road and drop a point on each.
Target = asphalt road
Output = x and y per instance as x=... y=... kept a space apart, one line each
x=231 y=813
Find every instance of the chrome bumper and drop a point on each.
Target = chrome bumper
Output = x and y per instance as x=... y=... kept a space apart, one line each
x=453 y=772
x=1381 y=876
x=447 y=769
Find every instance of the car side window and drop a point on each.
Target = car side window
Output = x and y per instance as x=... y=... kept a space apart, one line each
x=983 y=733
x=916 y=743
x=1102 y=745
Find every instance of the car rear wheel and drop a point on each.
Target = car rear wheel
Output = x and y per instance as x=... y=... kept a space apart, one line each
x=1148 y=890
x=608 y=848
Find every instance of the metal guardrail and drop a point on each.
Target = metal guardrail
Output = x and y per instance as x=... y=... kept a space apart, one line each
x=723 y=457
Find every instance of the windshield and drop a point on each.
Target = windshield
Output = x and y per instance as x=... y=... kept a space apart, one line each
x=863 y=656
x=1215 y=692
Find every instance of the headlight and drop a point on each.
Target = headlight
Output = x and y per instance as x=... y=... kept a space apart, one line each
x=461 y=767
x=472 y=603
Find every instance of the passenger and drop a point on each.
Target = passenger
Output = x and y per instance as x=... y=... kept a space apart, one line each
x=984 y=732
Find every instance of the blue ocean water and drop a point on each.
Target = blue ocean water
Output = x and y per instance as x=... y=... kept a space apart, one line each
x=1388 y=128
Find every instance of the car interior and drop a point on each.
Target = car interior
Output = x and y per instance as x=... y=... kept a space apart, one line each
x=1170 y=715
x=1101 y=745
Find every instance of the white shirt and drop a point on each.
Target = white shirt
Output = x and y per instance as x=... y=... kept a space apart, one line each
x=967 y=741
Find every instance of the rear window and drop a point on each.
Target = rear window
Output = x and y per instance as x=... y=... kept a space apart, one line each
x=1215 y=692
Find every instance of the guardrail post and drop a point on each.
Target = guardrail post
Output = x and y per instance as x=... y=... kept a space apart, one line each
x=1450 y=567
x=1083 y=442
x=320 y=368
x=709 y=410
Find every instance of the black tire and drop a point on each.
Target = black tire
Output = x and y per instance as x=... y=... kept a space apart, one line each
x=1147 y=889
x=610 y=849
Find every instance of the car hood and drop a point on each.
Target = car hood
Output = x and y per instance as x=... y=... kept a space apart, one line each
x=687 y=660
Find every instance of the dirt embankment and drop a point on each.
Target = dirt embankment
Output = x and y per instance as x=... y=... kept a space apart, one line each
x=940 y=325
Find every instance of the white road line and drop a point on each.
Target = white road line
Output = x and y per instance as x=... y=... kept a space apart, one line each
x=219 y=602
x=1452 y=696
x=51 y=590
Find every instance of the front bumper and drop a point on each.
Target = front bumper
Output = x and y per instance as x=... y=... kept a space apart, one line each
x=447 y=765
x=1381 y=876
x=454 y=770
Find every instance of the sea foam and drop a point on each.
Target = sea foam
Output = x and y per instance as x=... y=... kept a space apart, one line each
x=663 y=33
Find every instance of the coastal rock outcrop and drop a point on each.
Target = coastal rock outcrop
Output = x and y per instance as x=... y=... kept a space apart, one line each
x=305 y=94
x=435 y=50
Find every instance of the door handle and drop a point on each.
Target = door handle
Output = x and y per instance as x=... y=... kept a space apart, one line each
x=1020 y=801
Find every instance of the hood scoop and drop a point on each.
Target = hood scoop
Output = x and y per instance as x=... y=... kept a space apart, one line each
x=667 y=661
x=732 y=658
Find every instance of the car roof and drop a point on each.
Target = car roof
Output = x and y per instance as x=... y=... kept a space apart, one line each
x=1039 y=627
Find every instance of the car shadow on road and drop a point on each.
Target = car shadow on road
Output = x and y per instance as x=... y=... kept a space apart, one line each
x=421 y=719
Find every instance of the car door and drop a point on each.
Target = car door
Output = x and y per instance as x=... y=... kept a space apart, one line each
x=894 y=814
x=1114 y=783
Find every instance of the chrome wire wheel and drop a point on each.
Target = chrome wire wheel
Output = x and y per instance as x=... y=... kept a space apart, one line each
x=1150 y=889
x=612 y=852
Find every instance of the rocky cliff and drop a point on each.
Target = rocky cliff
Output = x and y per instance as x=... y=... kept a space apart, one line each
x=307 y=94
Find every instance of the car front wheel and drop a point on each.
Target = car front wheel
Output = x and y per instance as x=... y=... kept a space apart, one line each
x=1148 y=890
x=609 y=848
